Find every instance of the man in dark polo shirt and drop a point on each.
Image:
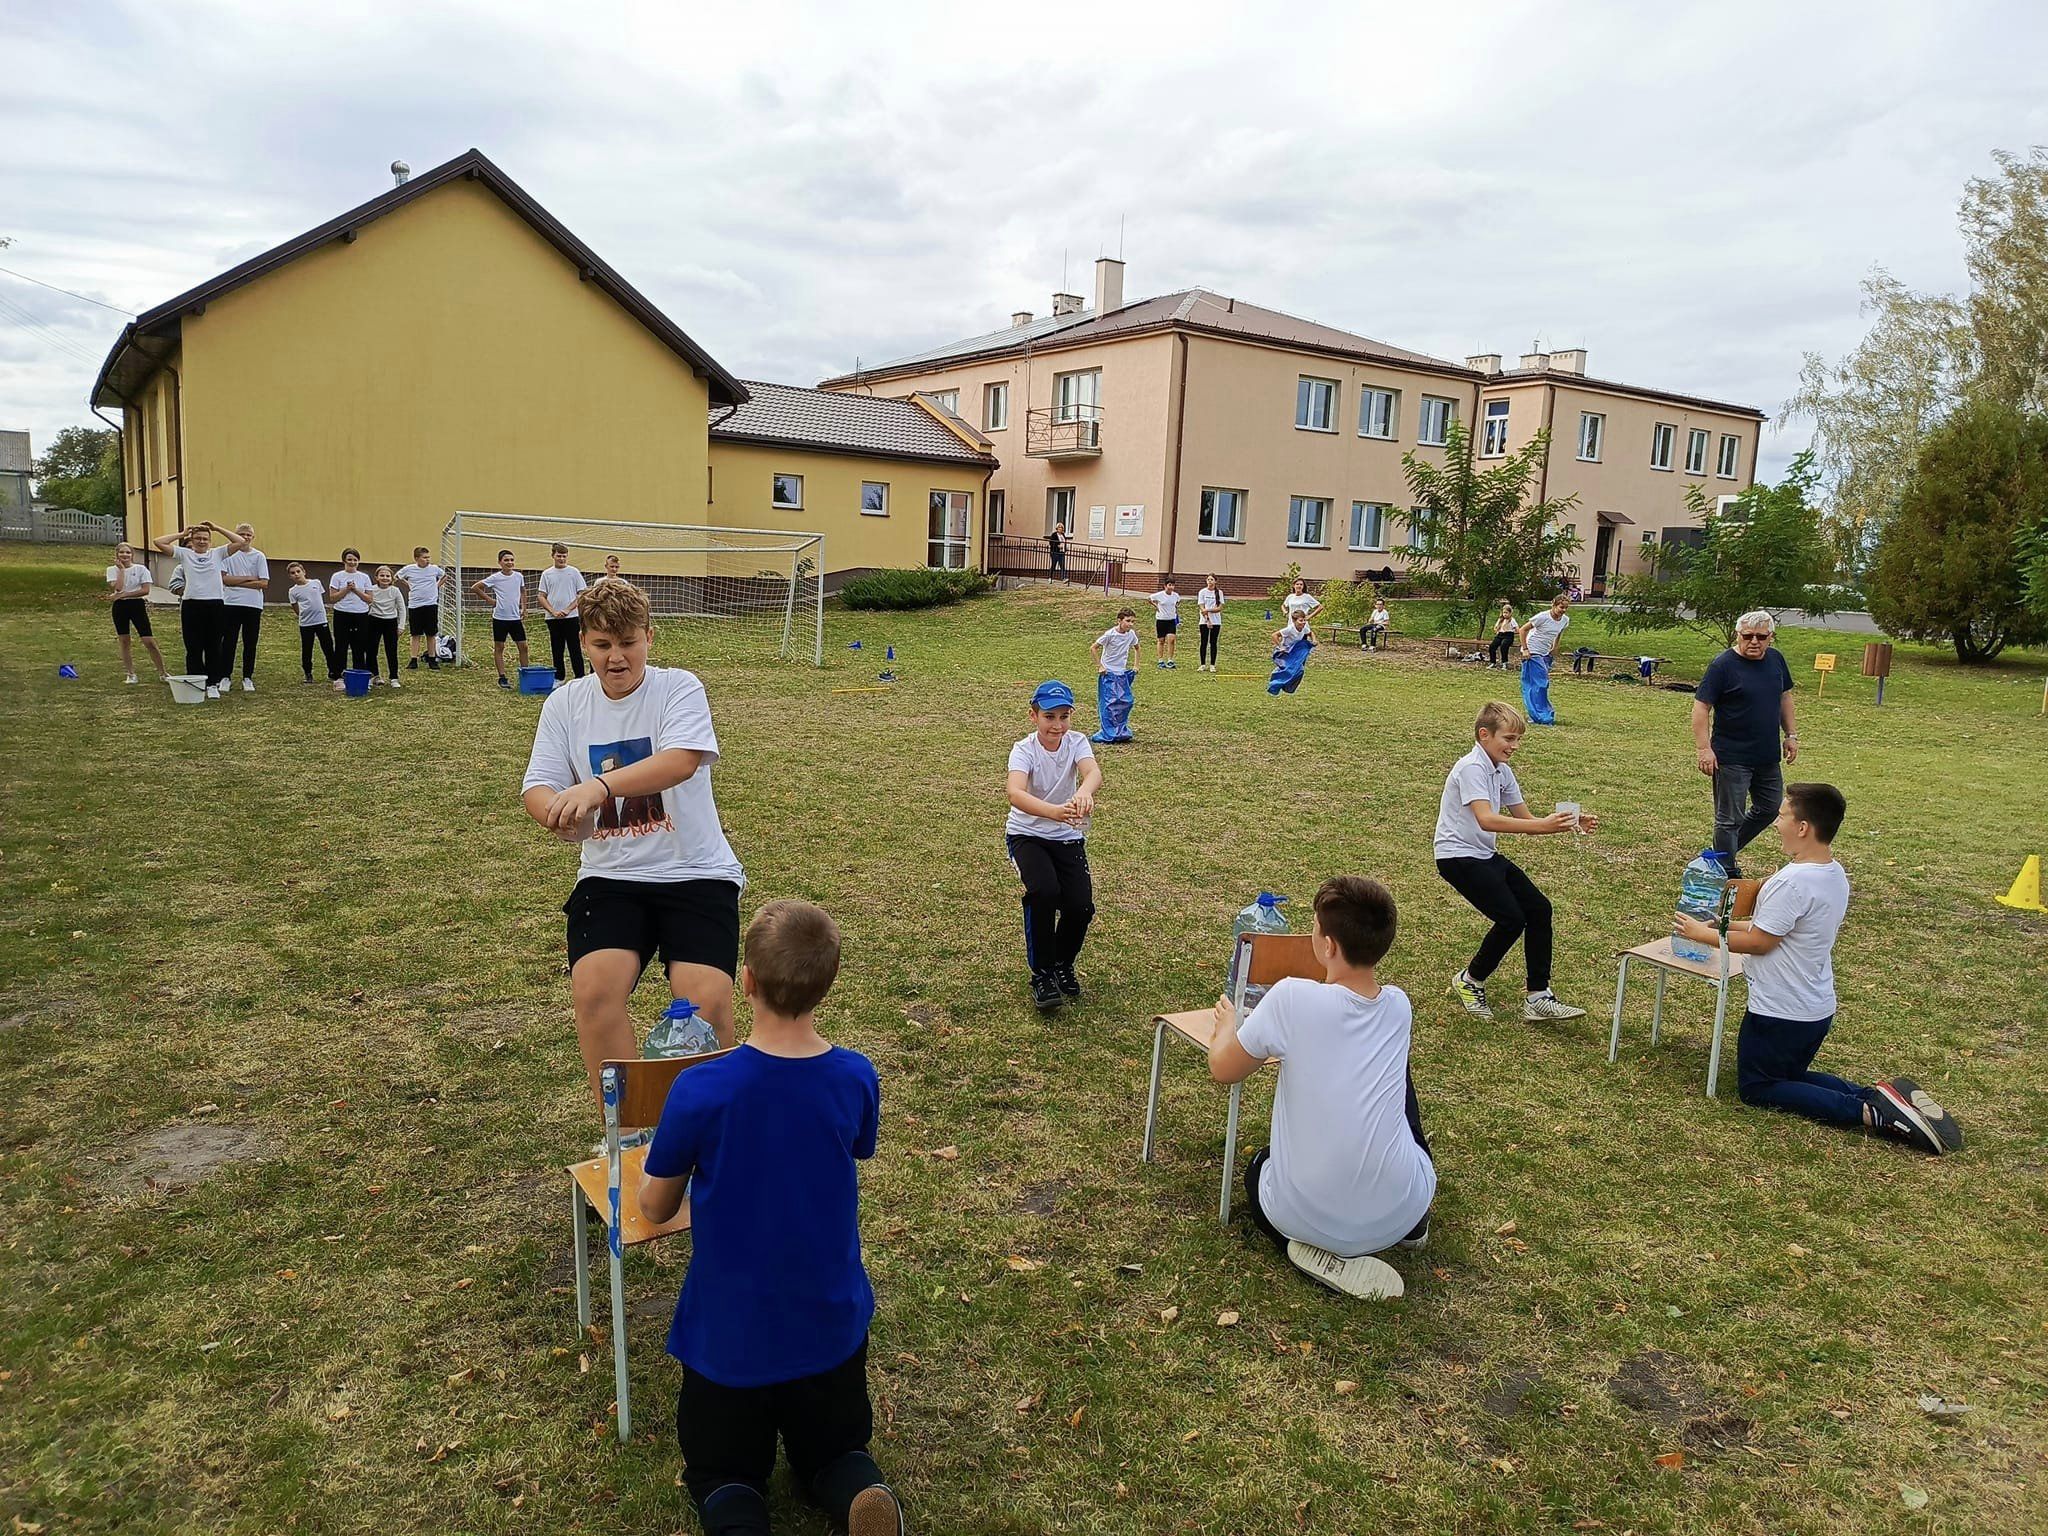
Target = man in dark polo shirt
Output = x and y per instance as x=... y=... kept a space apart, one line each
x=1737 y=712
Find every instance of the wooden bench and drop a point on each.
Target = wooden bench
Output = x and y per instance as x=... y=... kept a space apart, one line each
x=1592 y=658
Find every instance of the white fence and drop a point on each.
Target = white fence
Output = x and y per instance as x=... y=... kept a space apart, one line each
x=59 y=525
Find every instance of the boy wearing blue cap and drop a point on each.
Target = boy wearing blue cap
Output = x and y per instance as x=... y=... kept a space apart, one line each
x=1052 y=784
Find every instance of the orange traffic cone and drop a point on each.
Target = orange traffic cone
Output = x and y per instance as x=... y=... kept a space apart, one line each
x=2026 y=889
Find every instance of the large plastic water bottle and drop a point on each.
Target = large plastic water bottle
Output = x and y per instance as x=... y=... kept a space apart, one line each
x=682 y=1031
x=1699 y=895
x=1262 y=916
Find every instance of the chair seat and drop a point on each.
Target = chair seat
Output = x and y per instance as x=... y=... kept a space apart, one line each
x=1197 y=1026
x=1658 y=952
x=634 y=1229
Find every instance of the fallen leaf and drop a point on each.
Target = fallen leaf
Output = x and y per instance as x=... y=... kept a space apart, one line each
x=338 y=1412
x=1911 y=1497
x=1346 y=1388
x=1671 y=1459
x=1026 y=1404
x=1168 y=1314
x=1941 y=1408
x=1131 y=1269
x=1306 y=1347
x=1024 y=1266
x=463 y=1285
x=1191 y=1437
x=1074 y=1418
x=583 y=1365
x=287 y=1274
x=462 y=1377
x=1226 y=1319
x=1505 y=1229
x=203 y=1109
x=1798 y=1252
x=946 y=1154
x=1122 y=1492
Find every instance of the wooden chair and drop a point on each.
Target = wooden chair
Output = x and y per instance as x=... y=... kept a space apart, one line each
x=1738 y=900
x=634 y=1093
x=1274 y=957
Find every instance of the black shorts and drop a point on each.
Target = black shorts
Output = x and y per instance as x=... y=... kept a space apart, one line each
x=1163 y=627
x=507 y=629
x=132 y=612
x=423 y=621
x=692 y=922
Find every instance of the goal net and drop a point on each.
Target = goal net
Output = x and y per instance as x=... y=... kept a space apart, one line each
x=737 y=593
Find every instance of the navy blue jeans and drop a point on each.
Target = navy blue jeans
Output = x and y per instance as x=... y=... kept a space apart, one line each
x=1773 y=1058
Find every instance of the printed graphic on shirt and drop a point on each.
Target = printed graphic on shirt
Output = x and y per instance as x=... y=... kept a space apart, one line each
x=631 y=815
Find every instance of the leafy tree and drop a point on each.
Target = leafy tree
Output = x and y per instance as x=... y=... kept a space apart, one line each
x=1345 y=604
x=1764 y=551
x=81 y=468
x=1479 y=542
x=1949 y=566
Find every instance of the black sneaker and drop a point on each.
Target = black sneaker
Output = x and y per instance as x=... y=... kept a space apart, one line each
x=1045 y=992
x=1064 y=978
x=413 y=665
x=504 y=681
x=1888 y=1120
x=433 y=664
x=875 y=1512
x=1936 y=1130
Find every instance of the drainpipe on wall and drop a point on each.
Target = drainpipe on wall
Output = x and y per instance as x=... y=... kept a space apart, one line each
x=1180 y=410
x=986 y=476
x=121 y=443
x=177 y=430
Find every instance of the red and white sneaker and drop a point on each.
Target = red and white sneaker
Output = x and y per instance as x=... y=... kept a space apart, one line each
x=1908 y=1111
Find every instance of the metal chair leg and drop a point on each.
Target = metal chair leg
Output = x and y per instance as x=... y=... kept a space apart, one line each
x=1229 y=1153
x=1714 y=1051
x=1152 y=1100
x=579 y=1211
x=619 y=1337
x=1657 y=1016
x=1620 y=990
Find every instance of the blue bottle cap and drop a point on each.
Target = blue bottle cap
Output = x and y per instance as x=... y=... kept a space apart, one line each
x=1268 y=899
x=681 y=1008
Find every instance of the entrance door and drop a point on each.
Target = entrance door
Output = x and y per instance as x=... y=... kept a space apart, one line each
x=1603 y=548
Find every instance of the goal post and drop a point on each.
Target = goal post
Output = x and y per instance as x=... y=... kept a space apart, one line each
x=738 y=593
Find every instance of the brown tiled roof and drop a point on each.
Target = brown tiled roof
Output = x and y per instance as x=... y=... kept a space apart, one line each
x=1580 y=381
x=129 y=363
x=785 y=415
x=1193 y=309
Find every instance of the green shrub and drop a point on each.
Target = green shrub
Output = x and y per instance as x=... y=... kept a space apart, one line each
x=916 y=588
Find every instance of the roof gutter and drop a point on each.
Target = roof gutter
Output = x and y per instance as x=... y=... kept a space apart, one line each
x=121 y=444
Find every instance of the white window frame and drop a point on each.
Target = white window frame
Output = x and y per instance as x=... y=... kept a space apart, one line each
x=1210 y=500
x=1493 y=442
x=1297 y=517
x=1378 y=546
x=1077 y=396
x=1417 y=516
x=775 y=497
x=1305 y=387
x=1367 y=396
x=1051 y=518
x=995 y=406
x=946 y=539
x=877 y=485
x=949 y=399
x=1443 y=431
x=1663 y=440
x=1696 y=440
x=1729 y=465
x=1592 y=442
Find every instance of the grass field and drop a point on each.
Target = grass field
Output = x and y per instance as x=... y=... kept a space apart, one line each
x=289 y=1080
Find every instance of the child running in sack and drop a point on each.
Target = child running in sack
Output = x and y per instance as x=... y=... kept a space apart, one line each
x=1053 y=777
x=1291 y=644
x=1116 y=679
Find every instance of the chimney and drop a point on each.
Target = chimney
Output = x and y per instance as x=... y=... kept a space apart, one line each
x=1535 y=362
x=1484 y=362
x=1570 y=360
x=1109 y=284
x=1020 y=318
x=1066 y=304
x=401 y=173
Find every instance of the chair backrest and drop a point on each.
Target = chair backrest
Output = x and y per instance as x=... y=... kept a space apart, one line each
x=1276 y=956
x=644 y=1084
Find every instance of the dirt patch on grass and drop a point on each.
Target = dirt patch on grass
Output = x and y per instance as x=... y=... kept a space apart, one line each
x=1041 y=1198
x=179 y=1157
x=1506 y=1399
x=1657 y=1384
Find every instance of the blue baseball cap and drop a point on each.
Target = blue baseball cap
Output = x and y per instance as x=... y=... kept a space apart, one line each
x=1053 y=695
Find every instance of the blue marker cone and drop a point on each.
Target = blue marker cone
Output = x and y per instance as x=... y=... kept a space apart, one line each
x=854 y=646
x=892 y=654
x=1269 y=615
x=67 y=670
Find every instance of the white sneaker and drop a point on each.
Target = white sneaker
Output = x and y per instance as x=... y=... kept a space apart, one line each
x=212 y=692
x=394 y=682
x=340 y=686
x=1364 y=1276
x=248 y=685
x=1544 y=1005
x=130 y=679
x=1472 y=994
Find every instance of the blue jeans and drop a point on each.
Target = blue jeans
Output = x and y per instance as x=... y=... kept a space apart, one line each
x=1746 y=800
x=1772 y=1062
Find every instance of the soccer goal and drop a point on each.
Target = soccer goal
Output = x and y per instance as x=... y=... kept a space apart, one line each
x=737 y=592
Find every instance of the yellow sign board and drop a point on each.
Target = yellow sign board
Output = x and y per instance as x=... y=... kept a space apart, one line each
x=1824 y=662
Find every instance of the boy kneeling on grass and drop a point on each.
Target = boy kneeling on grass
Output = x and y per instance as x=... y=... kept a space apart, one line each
x=1349 y=1173
x=772 y=1324
x=1788 y=949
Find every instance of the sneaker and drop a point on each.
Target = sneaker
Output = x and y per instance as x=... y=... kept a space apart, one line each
x=504 y=681
x=1045 y=992
x=1544 y=1005
x=339 y=686
x=130 y=678
x=413 y=665
x=212 y=692
x=433 y=665
x=394 y=682
x=1472 y=994
x=1910 y=1112
x=248 y=685
x=1364 y=1276
x=1417 y=1240
x=1064 y=978
x=875 y=1512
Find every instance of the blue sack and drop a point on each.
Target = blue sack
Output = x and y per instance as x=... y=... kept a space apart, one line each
x=1113 y=700
x=1288 y=662
x=1536 y=691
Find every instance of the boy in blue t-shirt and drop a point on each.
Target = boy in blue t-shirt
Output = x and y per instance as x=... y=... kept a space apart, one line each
x=772 y=1324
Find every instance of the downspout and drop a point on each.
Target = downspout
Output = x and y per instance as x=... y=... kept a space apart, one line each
x=177 y=429
x=121 y=440
x=1180 y=411
x=986 y=476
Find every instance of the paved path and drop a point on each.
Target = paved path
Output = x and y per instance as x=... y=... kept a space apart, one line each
x=1851 y=623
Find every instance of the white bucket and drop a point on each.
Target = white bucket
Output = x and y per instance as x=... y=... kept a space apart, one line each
x=187 y=687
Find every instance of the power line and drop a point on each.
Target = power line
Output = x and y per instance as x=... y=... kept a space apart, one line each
x=43 y=332
x=66 y=291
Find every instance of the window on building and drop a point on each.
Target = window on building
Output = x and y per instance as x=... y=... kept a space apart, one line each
x=874 y=498
x=995 y=407
x=997 y=507
x=948 y=399
x=1418 y=518
x=1315 y=404
x=1592 y=433
x=1222 y=516
x=1731 y=454
x=789 y=491
x=1369 y=525
x=1308 y=522
x=1696 y=451
x=946 y=547
x=1379 y=412
x=1077 y=396
x=1649 y=535
x=1493 y=442
x=1662 y=436
x=1434 y=429
x=1059 y=508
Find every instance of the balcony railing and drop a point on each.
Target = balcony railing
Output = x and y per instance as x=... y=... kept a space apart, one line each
x=1063 y=432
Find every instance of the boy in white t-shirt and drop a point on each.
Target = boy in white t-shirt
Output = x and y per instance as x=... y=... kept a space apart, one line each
x=1116 y=677
x=506 y=589
x=348 y=596
x=1349 y=1173
x=1481 y=800
x=1053 y=777
x=422 y=583
x=559 y=585
x=1539 y=651
x=202 y=617
x=309 y=602
x=621 y=764
x=1166 y=621
x=1789 y=967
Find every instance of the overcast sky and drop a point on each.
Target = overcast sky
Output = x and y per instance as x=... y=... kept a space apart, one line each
x=1691 y=191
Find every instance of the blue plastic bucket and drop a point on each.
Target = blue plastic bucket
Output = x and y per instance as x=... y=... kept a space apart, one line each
x=536 y=679
x=355 y=682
